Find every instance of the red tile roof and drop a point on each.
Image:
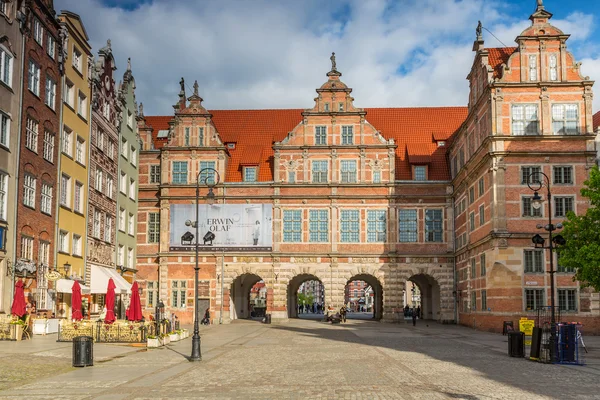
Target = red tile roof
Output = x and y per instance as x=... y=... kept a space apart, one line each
x=596 y=120
x=498 y=56
x=255 y=131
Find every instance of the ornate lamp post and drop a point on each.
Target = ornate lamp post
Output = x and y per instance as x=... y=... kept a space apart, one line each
x=539 y=241
x=210 y=199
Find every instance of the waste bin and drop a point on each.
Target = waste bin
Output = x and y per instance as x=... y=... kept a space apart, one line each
x=536 y=343
x=267 y=319
x=516 y=344
x=83 y=351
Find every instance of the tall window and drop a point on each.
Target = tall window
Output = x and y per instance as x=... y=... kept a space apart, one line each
x=50 y=99
x=350 y=226
x=63 y=241
x=552 y=67
x=133 y=157
x=121 y=255
x=481 y=185
x=3 y=198
x=100 y=140
x=38 y=31
x=67 y=146
x=249 y=174
x=151 y=294
x=49 y=146
x=46 y=200
x=533 y=70
x=69 y=94
x=420 y=173
x=31 y=136
x=567 y=300
x=482 y=262
x=291 y=176
x=528 y=210
x=130 y=262
x=82 y=105
x=124 y=148
x=76 y=59
x=109 y=186
x=319 y=171
x=292 y=225
x=200 y=136
x=51 y=46
x=433 y=226
x=565 y=118
x=348 y=171
x=4 y=130
x=376 y=226
x=484 y=300
x=377 y=176
x=472 y=221
x=65 y=190
x=76 y=245
x=525 y=120
x=108 y=229
x=473 y=301
x=6 y=66
x=155 y=174
x=347 y=134
x=153 y=227
x=534 y=299
x=178 y=292
x=80 y=151
x=320 y=135
x=318 y=225
x=481 y=215
x=78 y=202
x=122 y=216
x=29 y=191
x=187 y=137
x=27 y=248
x=33 y=78
x=473 y=269
x=131 y=224
x=96 y=224
x=132 y=191
x=408 y=225
x=99 y=183
x=471 y=194
x=110 y=151
x=129 y=119
x=562 y=205
x=123 y=183
x=208 y=175
x=534 y=261
x=180 y=172
x=530 y=174
x=563 y=175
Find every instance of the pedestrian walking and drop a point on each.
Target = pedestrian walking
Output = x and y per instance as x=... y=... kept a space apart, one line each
x=419 y=312
x=414 y=318
x=343 y=313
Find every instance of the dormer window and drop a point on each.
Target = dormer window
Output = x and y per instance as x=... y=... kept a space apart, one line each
x=326 y=107
x=250 y=174
x=441 y=143
x=341 y=107
x=533 y=72
x=231 y=146
x=420 y=173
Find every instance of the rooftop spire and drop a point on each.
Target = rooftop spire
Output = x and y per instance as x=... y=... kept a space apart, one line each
x=540 y=15
x=129 y=64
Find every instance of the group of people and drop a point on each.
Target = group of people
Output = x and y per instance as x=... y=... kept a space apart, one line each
x=314 y=308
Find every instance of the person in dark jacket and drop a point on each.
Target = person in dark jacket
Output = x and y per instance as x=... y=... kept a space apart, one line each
x=414 y=317
x=206 y=319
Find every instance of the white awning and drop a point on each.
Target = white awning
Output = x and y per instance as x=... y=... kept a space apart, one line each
x=66 y=286
x=100 y=277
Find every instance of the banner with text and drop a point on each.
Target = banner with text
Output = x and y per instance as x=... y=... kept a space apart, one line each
x=222 y=227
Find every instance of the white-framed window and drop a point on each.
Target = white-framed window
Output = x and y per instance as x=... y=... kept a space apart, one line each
x=65 y=190
x=78 y=202
x=318 y=226
x=106 y=111
x=347 y=134
x=319 y=171
x=109 y=186
x=4 y=7
x=122 y=216
x=348 y=171
x=525 y=119
x=563 y=175
x=51 y=46
x=63 y=241
x=27 y=248
x=80 y=150
x=552 y=67
x=292 y=225
x=6 y=66
x=201 y=136
x=76 y=245
x=249 y=174
x=3 y=197
x=376 y=225
x=350 y=226
x=100 y=140
x=377 y=176
x=82 y=105
x=151 y=294
x=562 y=205
x=99 y=183
x=108 y=229
x=533 y=261
x=110 y=149
x=420 y=173
x=4 y=129
x=565 y=118
x=132 y=189
x=67 y=142
x=77 y=59
x=50 y=99
x=320 y=135
x=408 y=225
x=130 y=263
x=180 y=172
x=434 y=226
x=186 y=137
x=528 y=210
x=533 y=69
x=567 y=300
x=124 y=148
x=97 y=223
x=29 y=190
x=46 y=199
x=178 y=294
x=155 y=174
x=69 y=95
x=340 y=107
x=38 y=31
x=49 y=146
x=153 y=227
x=131 y=224
x=33 y=78
x=123 y=183
x=534 y=299
x=326 y=107
x=133 y=156
x=121 y=255
x=208 y=175
x=129 y=119
x=31 y=137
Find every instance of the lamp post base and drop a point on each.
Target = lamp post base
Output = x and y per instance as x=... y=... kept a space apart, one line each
x=196 y=356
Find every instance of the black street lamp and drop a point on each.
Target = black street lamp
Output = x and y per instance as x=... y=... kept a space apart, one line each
x=210 y=199
x=539 y=241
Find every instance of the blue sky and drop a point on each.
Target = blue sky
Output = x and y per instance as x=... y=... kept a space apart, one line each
x=274 y=54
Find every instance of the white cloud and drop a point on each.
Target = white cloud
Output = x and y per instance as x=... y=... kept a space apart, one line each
x=265 y=54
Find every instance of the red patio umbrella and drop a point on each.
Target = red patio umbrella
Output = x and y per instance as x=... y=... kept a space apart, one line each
x=19 y=307
x=134 y=312
x=110 y=302
x=76 y=302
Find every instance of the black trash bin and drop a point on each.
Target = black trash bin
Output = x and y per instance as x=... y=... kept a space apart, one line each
x=516 y=344
x=83 y=351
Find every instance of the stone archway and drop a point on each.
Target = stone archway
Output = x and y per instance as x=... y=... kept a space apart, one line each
x=377 y=287
x=292 y=291
x=430 y=295
x=240 y=295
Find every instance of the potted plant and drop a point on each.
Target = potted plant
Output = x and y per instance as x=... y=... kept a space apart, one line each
x=16 y=329
x=165 y=339
x=153 y=341
x=174 y=336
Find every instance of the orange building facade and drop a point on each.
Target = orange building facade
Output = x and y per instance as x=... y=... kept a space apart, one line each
x=338 y=193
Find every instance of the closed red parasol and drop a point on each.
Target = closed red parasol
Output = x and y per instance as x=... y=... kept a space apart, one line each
x=76 y=302
x=110 y=302
x=134 y=313
x=19 y=307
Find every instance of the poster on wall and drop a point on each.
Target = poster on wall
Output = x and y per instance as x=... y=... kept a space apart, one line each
x=222 y=227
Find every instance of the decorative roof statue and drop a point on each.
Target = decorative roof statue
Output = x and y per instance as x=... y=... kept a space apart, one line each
x=196 y=88
x=129 y=64
x=479 y=30
x=141 y=109
x=332 y=58
x=540 y=4
x=182 y=84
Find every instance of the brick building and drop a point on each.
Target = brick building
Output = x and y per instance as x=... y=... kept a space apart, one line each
x=337 y=193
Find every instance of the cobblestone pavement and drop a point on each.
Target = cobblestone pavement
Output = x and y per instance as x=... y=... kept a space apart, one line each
x=306 y=359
